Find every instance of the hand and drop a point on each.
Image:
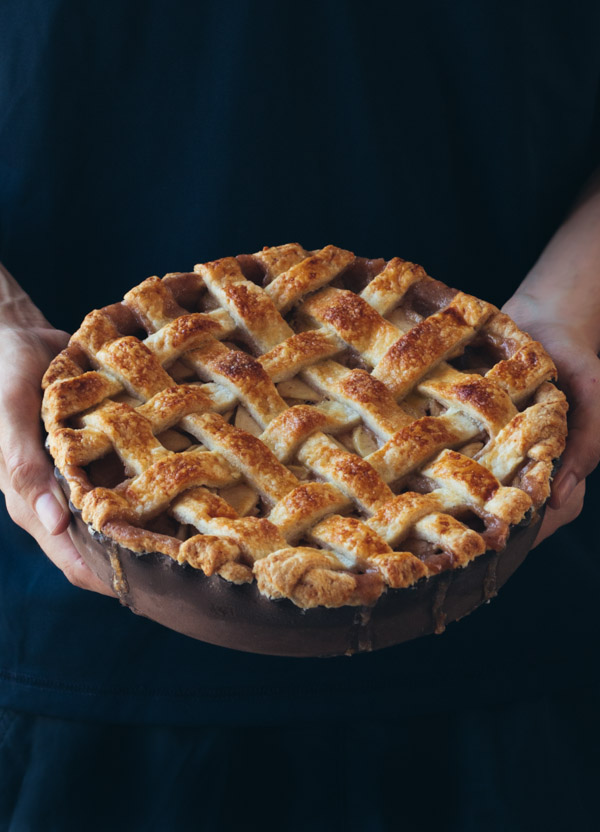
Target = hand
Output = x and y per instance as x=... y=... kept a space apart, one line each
x=573 y=350
x=33 y=497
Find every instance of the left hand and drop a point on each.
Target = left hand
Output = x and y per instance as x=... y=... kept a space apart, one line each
x=573 y=350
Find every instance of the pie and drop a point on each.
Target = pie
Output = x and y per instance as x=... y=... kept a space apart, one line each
x=327 y=427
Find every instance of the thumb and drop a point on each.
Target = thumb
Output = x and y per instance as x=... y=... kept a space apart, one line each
x=582 y=452
x=27 y=470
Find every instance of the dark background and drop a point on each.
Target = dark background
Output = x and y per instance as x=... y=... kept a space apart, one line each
x=143 y=138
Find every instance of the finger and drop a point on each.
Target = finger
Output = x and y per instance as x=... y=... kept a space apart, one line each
x=59 y=548
x=27 y=468
x=582 y=452
x=62 y=553
x=555 y=518
x=57 y=339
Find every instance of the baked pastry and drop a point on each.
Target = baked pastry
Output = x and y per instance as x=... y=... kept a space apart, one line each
x=327 y=426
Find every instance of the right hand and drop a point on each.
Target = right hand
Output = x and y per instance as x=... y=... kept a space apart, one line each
x=34 y=499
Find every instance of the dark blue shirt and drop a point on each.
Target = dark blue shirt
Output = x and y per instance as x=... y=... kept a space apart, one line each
x=141 y=138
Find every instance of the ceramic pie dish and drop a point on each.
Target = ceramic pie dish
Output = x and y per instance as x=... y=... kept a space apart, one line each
x=303 y=453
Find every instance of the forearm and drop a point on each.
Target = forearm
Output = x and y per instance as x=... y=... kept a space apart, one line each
x=558 y=303
x=564 y=284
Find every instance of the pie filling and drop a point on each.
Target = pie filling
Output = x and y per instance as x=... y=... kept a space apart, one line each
x=324 y=424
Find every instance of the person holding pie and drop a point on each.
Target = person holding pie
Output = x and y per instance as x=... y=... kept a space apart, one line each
x=139 y=140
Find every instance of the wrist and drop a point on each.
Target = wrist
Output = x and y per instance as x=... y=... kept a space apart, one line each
x=552 y=317
x=19 y=312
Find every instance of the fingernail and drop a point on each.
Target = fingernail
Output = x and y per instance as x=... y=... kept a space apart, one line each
x=49 y=511
x=566 y=487
x=59 y=496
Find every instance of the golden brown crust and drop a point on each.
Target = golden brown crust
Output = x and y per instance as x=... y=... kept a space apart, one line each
x=278 y=259
x=367 y=396
x=185 y=333
x=354 y=476
x=153 y=303
x=478 y=443
x=349 y=536
x=353 y=320
x=288 y=431
x=81 y=446
x=303 y=507
x=67 y=397
x=452 y=536
x=96 y=330
x=387 y=289
x=307 y=276
x=134 y=365
x=300 y=351
x=208 y=552
x=140 y=540
x=244 y=452
x=477 y=397
x=400 y=569
x=62 y=367
x=422 y=348
x=312 y=578
x=464 y=473
x=465 y=482
x=129 y=433
x=245 y=377
x=395 y=520
x=415 y=444
x=534 y=439
x=154 y=489
x=250 y=307
x=522 y=373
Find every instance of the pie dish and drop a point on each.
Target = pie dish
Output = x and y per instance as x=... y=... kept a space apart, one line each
x=277 y=450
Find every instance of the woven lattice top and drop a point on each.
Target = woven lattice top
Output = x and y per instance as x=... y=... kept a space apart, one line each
x=323 y=424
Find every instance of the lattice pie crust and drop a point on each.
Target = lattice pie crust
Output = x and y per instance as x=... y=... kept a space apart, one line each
x=326 y=425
